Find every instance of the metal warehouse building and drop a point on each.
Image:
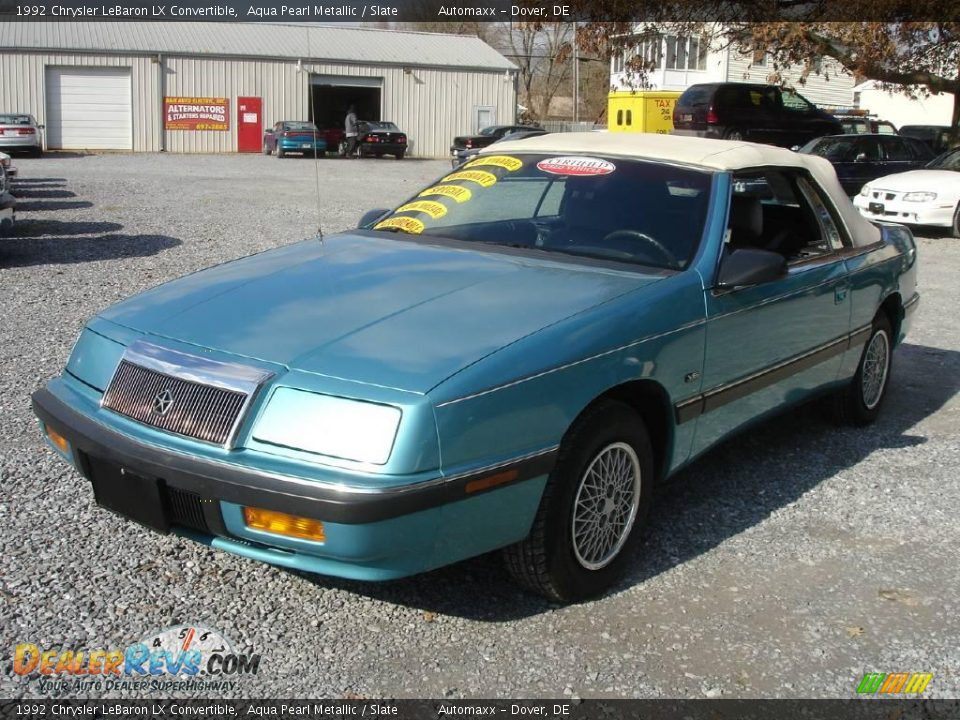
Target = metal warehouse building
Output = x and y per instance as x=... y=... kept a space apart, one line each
x=214 y=87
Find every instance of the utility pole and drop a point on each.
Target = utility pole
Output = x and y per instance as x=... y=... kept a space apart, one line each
x=576 y=75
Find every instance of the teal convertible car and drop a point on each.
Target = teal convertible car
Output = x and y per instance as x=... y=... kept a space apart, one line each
x=512 y=358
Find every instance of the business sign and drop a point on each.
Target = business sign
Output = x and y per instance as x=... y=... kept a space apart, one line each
x=196 y=113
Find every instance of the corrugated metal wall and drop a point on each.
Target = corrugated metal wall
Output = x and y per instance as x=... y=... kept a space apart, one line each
x=22 y=88
x=430 y=105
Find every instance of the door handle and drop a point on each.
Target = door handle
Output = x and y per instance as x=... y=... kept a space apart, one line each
x=840 y=294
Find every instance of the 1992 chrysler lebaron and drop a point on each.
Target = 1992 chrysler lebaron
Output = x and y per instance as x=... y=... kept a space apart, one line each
x=510 y=359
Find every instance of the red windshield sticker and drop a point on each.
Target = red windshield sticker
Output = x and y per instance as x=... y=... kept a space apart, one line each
x=579 y=166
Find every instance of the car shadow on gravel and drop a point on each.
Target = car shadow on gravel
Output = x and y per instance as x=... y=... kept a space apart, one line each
x=38 y=228
x=51 y=205
x=727 y=491
x=25 y=252
x=43 y=193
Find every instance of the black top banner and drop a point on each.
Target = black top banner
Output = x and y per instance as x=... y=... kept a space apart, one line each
x=562 y=709
x=459 y=11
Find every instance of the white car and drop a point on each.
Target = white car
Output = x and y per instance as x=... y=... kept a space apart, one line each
x=920 y=197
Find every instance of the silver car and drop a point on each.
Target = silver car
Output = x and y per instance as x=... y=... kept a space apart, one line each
x=19 y=131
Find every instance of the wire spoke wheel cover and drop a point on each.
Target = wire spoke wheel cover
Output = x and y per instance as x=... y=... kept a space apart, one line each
x=876 y=362
x=605 y=506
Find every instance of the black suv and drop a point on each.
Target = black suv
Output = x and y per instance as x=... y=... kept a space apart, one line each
x=747 y=111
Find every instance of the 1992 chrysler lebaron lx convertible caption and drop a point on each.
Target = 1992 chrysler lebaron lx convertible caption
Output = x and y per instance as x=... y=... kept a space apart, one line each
x=510 y=359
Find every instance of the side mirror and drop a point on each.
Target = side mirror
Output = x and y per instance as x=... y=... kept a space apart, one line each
x=750 y=266
x=795 y=148
x=861 y=157
x=371 y=216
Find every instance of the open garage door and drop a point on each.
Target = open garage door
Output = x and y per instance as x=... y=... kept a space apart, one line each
x=89 y=108
x=331 y=95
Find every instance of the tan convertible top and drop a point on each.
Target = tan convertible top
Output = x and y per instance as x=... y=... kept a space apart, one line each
x=726 y=155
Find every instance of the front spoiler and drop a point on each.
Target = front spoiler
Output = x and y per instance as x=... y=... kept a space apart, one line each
x=245 y=486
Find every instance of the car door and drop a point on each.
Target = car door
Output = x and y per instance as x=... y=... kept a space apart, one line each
x=866 y=162
x=897 y=156
x=775 y=343
x=801 y=122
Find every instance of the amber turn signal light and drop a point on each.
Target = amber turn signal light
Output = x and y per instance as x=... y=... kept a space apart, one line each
x=59 y=441
x=280 y=523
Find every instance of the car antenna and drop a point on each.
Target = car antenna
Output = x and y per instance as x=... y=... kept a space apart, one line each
x=316 y=159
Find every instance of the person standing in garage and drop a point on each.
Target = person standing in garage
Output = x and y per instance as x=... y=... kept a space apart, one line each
x=350 y=128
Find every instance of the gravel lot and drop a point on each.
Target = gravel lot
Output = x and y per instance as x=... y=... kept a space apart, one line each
x=784 y=564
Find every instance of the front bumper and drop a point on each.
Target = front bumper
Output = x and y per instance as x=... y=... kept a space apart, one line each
x=369 y=535
x=936 y=214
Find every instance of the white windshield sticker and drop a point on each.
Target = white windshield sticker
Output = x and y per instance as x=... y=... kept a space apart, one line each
x=575 y=165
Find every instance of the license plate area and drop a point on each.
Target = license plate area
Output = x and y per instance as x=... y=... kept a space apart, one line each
x=686 y=117
x=127 y=494
x=876 y=208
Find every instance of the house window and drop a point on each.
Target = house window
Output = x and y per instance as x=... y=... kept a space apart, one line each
x=686 y=53
x=759 y=57
x=618 y=61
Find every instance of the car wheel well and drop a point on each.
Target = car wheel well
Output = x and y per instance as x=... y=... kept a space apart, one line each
x=649 y=400
x=892 y=306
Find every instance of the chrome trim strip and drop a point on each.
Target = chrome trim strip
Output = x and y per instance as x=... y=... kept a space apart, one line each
x=526 y=378
x=910 y=304
x=720 y=395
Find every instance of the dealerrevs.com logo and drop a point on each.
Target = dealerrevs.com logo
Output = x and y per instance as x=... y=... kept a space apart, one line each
x=183 y=657
x=900 y=683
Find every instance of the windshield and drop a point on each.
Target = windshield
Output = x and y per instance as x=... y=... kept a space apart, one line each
x=597 y=207
x=299 y=126
x=831 y=148
x=947 y=161
x=16 y=120
x=488 y=130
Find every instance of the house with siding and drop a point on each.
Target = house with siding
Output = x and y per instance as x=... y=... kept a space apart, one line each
x=680 y=61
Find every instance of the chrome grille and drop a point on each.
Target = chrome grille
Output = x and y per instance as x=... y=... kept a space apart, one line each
x=204 y=412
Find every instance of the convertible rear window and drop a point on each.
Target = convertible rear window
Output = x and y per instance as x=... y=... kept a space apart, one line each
x=632 y=211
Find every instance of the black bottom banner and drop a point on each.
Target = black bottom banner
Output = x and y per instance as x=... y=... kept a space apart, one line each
x=562 y=709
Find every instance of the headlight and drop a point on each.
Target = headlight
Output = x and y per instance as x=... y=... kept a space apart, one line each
x=920 y=196
x=865 y=190
x=327 y=425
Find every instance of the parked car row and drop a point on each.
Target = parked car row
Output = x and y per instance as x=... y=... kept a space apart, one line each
x=375 y=138
x=7 y=203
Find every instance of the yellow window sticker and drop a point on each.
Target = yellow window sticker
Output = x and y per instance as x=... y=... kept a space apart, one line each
x=460 y=194
x=430 y=207
x=407 y=224
x=480 y=177
x=503 y=161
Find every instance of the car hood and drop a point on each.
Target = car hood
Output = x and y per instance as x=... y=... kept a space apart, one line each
x=918 y=181
x=370 y=309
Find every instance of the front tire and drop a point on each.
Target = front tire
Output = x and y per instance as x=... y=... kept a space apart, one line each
x=280 y=152
x=859 y=402
x=593 y=507
x=956 y=222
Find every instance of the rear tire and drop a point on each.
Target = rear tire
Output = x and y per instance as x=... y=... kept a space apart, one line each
x=400 y=155
x=735 y=134
x=859 y=402
x=266 y=149
x=956 y=222
x=593 y=507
